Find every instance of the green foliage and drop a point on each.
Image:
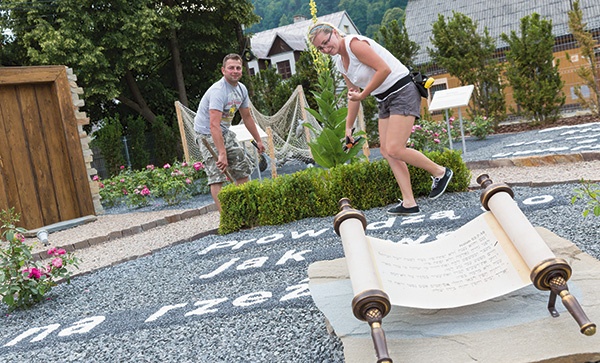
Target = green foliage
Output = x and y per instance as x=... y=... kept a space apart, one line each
x=136 y=141
x=589 y=74
x=327 y=148
x=24 y=282
x=167 y=142
x=591 y=194
x=270 y=91
x=315 y=192
x=109 y=140
x=536 y=82
x=395 y=39
x=480 y=127
x=465 y=53
x=173 y=183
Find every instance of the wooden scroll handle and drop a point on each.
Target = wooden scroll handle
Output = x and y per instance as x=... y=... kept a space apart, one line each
x=547 y=271
x=216 y=157
x=553 y=275
x=370 y=302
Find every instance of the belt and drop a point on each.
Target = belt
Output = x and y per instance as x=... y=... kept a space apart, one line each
x=396 y=86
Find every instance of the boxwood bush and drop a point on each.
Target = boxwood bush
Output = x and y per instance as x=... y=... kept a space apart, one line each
x=315 y=192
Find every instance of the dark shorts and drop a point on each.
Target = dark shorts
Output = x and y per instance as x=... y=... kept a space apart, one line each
x=237 y=158
x=406 y=101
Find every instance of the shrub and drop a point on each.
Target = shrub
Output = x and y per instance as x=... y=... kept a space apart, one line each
x=24 y=282
x=315 y=192
x=480 y=127
x=173 y=183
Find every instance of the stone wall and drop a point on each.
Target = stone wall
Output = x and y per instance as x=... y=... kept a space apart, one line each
x=88 y=155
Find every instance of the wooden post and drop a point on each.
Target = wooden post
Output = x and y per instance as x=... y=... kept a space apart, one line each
x=272 y=153
x=184 y=144
x=362 y=126
x=304 y=115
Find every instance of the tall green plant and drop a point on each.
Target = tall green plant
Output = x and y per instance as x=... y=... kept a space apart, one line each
x=532 y=72
x=589 y=74
x=327 y=148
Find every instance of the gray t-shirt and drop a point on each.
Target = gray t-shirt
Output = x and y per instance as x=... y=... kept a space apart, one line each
x=223 y=97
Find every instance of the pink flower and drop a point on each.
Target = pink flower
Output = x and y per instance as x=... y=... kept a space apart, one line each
x=198 y=166
x=150 y=167
x=166 y=166
x=33 y=272
x=188 y=180
x=95 y=178
x=122 y=180
x=145 y=191
x=52 y=251
x=57 y=262
x=124 y=191
x=101 y=185
x=437 y=141
x=20 y=237
x=122 y=167
x=184 y=164
x=61 y=251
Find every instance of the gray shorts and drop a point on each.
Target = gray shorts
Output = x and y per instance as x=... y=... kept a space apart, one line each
x=405 y=102
x=239 y=164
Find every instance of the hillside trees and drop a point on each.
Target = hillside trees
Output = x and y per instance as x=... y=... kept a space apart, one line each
x=468 y=54
x=532 y=70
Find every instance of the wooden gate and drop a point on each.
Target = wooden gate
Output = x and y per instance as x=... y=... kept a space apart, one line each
x=42 y=169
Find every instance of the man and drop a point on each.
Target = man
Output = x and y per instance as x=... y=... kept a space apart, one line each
x=213 y=119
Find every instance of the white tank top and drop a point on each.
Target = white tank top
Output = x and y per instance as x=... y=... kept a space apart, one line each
x=360 y=74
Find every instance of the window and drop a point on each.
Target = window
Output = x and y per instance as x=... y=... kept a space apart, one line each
x=284 y=69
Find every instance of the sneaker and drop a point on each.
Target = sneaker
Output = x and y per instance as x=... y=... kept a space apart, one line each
x=439 y=185
x=399 y=210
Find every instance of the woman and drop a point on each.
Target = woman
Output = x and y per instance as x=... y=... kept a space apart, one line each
x=368 y=68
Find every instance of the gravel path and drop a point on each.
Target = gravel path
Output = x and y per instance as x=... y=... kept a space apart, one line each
x=172 y=296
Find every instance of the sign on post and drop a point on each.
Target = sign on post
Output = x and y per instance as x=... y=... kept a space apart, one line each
x=451 y=98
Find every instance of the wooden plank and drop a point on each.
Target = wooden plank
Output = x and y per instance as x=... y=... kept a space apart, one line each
x=56 y=148
x=82 y=190
x=7 y=183
x=19 y=75
x=40 y=164
x=21 y=164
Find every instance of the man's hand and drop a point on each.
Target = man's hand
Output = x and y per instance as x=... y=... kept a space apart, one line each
x=222 y=161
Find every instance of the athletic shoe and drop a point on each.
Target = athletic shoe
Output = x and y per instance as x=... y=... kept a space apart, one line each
x=399 y=210
x=439 y=185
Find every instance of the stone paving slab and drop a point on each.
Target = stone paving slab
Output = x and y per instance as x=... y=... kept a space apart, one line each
x=514 y=328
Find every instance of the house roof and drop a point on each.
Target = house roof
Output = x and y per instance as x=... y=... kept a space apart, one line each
x=499 y=16
x=293 y=34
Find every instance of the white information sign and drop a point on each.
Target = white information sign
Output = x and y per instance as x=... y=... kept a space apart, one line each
x=451 y=98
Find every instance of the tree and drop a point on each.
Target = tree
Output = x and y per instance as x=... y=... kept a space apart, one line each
x=395 y=38
x=588 y=74
x=530 y=69
x=127 y=54
x=469 y=56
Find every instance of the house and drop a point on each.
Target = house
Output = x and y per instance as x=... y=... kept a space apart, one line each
x=504 y=16
x=281 y=47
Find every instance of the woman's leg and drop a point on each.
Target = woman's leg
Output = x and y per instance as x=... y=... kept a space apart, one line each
x=398 y=130
x=399 y=167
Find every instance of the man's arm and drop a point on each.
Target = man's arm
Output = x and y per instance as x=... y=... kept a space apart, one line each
x=217 y=136
x=251 y=127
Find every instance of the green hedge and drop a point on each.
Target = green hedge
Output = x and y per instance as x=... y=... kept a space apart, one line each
x=315 y=192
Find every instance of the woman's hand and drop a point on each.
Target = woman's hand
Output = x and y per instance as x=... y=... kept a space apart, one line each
x=355 y=95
